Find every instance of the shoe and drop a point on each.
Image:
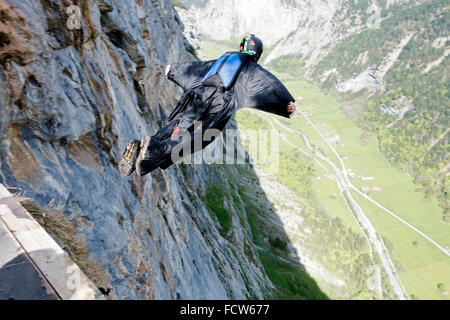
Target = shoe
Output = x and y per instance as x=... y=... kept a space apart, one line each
x=143 y=150
x=128 y=162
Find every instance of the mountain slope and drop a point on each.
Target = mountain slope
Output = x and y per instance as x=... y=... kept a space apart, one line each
x=403 y=76
x=387 y=60
x=358 y=65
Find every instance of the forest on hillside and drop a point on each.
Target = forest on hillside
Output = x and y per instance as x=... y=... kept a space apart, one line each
x=415 y=138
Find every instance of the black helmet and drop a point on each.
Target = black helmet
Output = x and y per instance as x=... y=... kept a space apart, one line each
x=252 y=45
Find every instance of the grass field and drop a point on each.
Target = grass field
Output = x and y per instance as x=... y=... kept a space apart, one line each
x=421 y=265
x=424 y=266
x=327 y=190
x=397 y=188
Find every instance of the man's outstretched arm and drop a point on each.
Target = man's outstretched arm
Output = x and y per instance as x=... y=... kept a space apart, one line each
x=188 y=74
x=265 y=92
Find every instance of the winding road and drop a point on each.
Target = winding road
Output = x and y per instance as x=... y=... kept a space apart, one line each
x=367 y=227
x=351 y=186
x=345 y=187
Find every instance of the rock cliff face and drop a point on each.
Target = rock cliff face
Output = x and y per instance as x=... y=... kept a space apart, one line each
x=191 y=31
x=70 y=100
x=303 y=27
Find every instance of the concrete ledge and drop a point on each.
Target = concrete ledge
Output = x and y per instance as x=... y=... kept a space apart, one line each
x=61 y=277
x=19 y=277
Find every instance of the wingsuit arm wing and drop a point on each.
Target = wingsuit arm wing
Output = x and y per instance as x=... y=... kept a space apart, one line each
x=265 y=92
x=188 y=75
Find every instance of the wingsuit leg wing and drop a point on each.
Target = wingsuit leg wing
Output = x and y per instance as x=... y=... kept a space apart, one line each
x=160 y=151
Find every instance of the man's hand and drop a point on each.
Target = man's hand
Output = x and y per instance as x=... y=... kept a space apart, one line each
x=167 y=70
x=291 y=108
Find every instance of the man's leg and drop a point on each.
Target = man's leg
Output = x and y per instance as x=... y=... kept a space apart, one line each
x=136 y=150
x=160 y=146
x=160 y=151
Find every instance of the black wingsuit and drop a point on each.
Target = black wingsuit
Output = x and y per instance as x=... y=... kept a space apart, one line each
x=255 y=87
